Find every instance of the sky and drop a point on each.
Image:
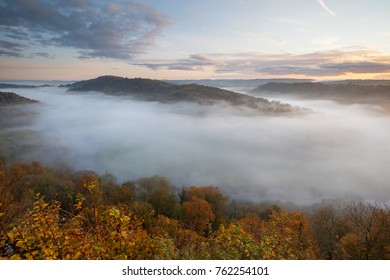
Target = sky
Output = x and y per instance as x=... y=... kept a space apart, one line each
x=176 y=39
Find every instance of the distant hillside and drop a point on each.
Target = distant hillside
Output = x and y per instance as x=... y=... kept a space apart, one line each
x=343 y=92
x=244 y=83
x=159 y=91
x=10 y=98
x=359 y=82
x=21 y=86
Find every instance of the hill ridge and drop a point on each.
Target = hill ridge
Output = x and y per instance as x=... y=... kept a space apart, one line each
x=164 y=92
x=10 y=98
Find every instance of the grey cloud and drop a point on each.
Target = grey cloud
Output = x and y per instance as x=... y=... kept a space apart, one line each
x=358 y=67
x=9 y=48
x=194 y=62
x=327 y=69
x=96 y=29
x=10 y=45
x=311 y=64
x=43 y=54
x=10 y=53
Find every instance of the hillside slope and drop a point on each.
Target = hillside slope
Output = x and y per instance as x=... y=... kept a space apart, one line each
x=159 y=91
x=10 y=98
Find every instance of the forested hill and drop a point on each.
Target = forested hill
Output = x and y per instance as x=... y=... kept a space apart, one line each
x=10 y=98
x=159 y=91
x=344 y=92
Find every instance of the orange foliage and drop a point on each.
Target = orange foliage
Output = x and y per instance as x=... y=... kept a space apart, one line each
x=82 y=216
x=197 y=215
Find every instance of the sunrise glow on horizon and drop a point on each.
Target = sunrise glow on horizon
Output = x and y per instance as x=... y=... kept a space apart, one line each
x=172 y=39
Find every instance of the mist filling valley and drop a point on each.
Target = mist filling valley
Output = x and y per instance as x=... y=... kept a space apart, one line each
x=337 y=151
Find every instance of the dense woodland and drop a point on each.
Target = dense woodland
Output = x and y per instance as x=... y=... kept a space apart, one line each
x=60 y=213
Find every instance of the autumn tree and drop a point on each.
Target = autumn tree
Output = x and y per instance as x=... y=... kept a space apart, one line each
x=327 y=230
x=192 y=246
x=215 y=198
x=238 y=209
x=270 y=211
x=182 y=193
x=87 y=184
x=107 y=183
x=15 y=184
x=254 y=225
x=158 y=192
x=368 y=234
x=197 y=215
x=124 y=194
x=234 y=243
x=285 y=236
x=53 y=183
x=114 y=233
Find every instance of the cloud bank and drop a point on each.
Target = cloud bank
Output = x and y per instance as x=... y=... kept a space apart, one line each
x=321 y=63
x=99 y=29
x=338 y=152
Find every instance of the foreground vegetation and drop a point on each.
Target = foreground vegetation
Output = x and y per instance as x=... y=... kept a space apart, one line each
x=59 y=213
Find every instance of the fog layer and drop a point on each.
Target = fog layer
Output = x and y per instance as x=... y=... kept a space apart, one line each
x=337 y=151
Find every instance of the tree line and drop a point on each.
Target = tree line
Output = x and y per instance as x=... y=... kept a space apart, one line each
x=60 y=213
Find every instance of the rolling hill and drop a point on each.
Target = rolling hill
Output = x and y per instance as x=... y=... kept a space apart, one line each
x=159 y=91
x=10 y=98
